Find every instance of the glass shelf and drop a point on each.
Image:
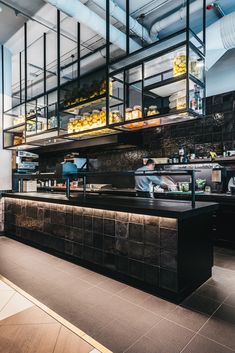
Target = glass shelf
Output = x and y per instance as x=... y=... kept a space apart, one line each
x=93 y=133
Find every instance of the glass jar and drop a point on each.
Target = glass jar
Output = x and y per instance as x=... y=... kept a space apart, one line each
x=180 y=64
x=94 y=119
x=178 y=100
x=85 y=121
x=52 y=122
x=116 y=116
x=128 y=114
x=137 y=112
x=152 y=110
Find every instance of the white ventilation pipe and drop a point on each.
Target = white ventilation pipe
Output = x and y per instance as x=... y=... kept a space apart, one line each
x=120 y=15
x=175 y=17
x=220 y=37
x=85 y=16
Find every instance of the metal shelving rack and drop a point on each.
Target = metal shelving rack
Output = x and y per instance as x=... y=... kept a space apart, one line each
x=147 y=76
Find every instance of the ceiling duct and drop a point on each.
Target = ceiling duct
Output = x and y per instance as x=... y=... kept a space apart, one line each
x=75 y=9
x=222 y=32
x=120 y=15
x=175 y=17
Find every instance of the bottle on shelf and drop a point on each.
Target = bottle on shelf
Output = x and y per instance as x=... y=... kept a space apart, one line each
x=225 y=152
x=181 y=154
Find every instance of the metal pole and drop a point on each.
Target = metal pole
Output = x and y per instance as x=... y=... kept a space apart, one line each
x=21 y=184
x=127 y=27
x=193 y=188
x=20 y=77
x=84 y=186
x=25 y=62
x=107 y=59
x=25 y=80
x=78 y=51
x=58 y=68
x=44 y=65
x=3 y=80
x=68 y=188
x=187 y=53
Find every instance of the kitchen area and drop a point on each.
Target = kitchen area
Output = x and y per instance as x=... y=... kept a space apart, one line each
x=77 y=149
x=117 y=206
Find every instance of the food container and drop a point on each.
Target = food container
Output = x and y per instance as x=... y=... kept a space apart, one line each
x=195 y=68
x=179 y=64
x=116 y=116
x=152 y=110
x=137 y=112
x=128 y=114
x=178 y=100
x=70 y=126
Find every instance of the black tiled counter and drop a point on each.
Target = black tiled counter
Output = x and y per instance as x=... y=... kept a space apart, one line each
x=160 y=245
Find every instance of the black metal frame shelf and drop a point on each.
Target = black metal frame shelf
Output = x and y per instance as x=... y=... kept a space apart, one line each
x=74 y=89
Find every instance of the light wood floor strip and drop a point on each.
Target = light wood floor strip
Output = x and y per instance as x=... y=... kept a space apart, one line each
x=57 y=317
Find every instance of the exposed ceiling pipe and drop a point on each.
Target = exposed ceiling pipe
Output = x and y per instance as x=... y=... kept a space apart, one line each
x=120 y=15
x=175 y=17
x=223 y=34
x=85 y=16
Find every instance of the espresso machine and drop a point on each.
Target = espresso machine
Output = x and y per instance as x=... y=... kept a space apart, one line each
x=218 y=178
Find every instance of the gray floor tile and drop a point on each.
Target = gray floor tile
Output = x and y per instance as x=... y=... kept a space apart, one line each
x=231 y=299
x=145 y=345
x=201 y=304
x=169 y=337
x=158 y=306
x=117 y=336
x=224 y=261
x=217 y=293
x=136 y=316
x=188 y=318
x=221 y=326
x=112 y=285
x=134 y=295
x=201 y=344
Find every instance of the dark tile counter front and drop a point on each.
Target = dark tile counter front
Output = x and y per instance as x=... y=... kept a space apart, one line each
x=167 y=255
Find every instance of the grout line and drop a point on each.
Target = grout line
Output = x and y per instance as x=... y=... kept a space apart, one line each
x=57 y=339
x=8 y=301
x=57 y=317
x=198 y=332
x=144 y=335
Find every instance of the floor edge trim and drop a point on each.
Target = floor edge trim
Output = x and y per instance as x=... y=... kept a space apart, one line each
x=57 y=317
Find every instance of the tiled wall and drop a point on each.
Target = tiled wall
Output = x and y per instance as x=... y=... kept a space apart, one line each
x=201 y=136
x=141 y=247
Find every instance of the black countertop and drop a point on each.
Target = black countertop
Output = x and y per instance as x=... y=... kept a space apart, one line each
x=155 y=207
x=211 y=197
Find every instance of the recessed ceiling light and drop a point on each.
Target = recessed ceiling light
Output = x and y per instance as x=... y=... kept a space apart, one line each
x=0 y=9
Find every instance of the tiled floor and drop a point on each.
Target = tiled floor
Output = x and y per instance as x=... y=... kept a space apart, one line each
x=122 y=318
x=26 y=328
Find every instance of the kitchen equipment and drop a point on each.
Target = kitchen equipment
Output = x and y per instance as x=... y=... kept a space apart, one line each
x=218 y=176
x=232 y=188
x=231 y=184
x=26 y=161
x=159 y=160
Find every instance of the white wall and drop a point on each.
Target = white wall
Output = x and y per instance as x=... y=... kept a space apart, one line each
x=221 y=77
x=5 y=156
